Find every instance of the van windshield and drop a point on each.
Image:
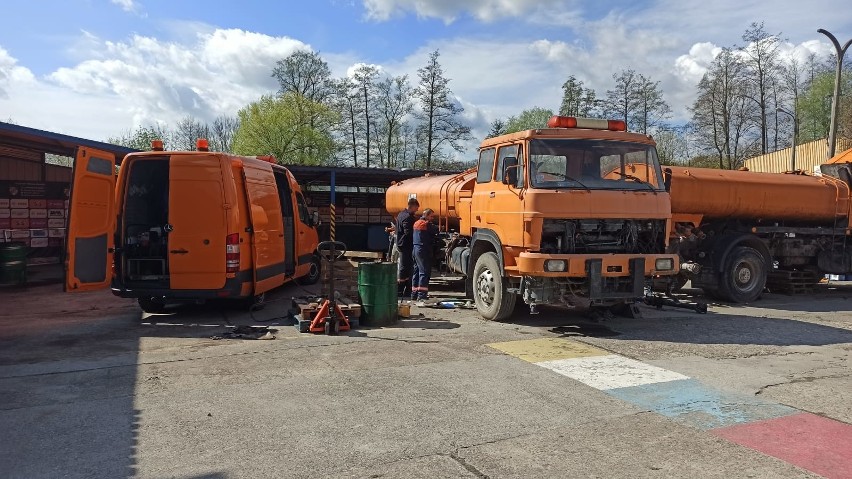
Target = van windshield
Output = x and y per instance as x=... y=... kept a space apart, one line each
x=593 y=164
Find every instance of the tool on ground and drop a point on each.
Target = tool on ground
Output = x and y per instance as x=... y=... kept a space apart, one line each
x=659 y=301
x=330 y=318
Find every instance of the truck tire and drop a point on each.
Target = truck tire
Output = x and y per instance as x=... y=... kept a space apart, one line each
x=744 y=275
x=490 y=289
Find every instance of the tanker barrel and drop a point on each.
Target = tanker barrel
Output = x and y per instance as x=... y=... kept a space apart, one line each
x=440 y=193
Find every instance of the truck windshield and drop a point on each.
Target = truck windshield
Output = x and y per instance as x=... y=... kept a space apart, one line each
x=593 y=164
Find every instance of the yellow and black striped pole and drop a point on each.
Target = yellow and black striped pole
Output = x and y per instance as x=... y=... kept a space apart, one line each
x=333 y=214
x=333 y=219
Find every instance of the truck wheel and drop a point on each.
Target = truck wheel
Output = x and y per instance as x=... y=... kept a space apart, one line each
x=314 y=274
x=743 y=276
x=490 y=289
x=151 y=305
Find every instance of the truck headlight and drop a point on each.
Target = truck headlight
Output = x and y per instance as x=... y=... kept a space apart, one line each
x=664 y=264
x=556 y=265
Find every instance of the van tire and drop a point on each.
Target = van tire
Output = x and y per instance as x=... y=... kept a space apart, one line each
x=255 y=303
x=490 y=289
x=151 y=305
x=314 y=273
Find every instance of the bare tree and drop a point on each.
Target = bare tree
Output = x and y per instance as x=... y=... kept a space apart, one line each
x=222 y=133
x=364 y=78
x=723 y=114
x=577 y=100
x=763 y=68
x=393 y=103
x=622 y=102
x=439 y=111
x=305 y=73
x=651 y=108
x=186 y=132
x=347 y=102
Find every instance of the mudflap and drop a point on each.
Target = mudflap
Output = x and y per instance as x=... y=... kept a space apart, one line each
x=603 y=288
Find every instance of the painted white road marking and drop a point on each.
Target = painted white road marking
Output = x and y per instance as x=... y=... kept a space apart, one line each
x=611 y=371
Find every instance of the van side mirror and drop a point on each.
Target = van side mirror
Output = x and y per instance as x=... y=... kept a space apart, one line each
x=510 y=171
x=315 y=219
x=667 y=179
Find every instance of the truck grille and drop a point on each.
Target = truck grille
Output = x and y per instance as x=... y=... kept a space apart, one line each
x=603 y=236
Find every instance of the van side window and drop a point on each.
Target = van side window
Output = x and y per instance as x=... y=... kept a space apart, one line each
x=485 y=167
x=304 y=215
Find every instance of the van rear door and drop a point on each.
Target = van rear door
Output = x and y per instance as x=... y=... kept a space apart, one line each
x=197 y=220
x=268 y=241
x=91 y=221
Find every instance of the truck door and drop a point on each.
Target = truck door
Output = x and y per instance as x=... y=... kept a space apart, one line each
x=197 y=223
x=268 y=242
x=484 y=191
x=91 y=221
x=507 y=215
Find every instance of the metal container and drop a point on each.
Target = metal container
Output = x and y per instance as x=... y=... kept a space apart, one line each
x=768 y=196
x=13 y=263
x=377 y=287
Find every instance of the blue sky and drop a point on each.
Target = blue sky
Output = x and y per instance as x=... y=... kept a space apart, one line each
x=94 y=68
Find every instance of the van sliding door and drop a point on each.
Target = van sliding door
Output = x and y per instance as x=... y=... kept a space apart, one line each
x=267 y=227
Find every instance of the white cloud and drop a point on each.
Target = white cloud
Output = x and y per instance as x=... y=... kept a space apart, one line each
x=126 y=5
x=450 y=10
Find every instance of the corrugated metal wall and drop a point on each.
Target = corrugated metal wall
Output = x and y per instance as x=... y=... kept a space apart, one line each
x=19 y=164
x=808 y=155
x=57 y=173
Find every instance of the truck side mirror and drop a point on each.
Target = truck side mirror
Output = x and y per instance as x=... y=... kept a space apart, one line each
x=667 y=179
x=315 y=219
x=510 y=171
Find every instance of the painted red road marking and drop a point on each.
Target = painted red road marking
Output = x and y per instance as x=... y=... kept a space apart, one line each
x=820 y=445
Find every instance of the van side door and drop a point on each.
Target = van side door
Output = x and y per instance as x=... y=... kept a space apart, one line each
x=91 y=221
x=267 y=226
x=308 y=237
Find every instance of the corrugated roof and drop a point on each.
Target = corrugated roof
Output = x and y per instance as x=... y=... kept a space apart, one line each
x=55 y=143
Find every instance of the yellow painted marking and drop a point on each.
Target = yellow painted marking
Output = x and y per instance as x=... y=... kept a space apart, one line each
x=547 y=349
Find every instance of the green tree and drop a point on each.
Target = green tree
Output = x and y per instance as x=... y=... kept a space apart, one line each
x=577 y=100
x=272 y=126
x=141 y=137
x=622 y=101
x=439 y=123
x=814 y=108
x=497 y=128
x=531 y=119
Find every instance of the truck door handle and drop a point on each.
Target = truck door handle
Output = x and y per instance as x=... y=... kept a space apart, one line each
x=491 y=195
x=179 y=251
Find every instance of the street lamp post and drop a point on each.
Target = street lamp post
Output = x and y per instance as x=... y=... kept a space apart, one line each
x=836 y=101
x=795 y=131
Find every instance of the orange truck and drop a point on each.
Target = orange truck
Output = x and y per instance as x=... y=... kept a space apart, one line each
x=736 y=229
x=186 y=226
x=555 y=216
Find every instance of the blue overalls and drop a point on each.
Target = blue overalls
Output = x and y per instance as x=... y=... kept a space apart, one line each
x=424 y=242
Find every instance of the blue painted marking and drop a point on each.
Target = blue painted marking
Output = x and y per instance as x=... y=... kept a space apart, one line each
x=689 y=401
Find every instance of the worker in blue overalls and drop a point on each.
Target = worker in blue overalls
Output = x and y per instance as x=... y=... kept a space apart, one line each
x=424 y=240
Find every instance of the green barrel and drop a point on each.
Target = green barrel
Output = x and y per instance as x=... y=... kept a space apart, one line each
x=377 y=287
x=13 y=263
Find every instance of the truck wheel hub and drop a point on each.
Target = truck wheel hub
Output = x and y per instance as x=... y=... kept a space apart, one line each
x=485 y=287
x=743 y=274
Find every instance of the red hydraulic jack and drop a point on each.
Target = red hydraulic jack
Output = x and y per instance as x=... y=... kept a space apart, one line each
x=330 y=318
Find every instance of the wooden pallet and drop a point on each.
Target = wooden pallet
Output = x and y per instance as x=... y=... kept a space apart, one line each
x=308 y=307
x=792 y=282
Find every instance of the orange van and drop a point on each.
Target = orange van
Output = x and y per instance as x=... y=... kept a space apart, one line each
x=187 y=226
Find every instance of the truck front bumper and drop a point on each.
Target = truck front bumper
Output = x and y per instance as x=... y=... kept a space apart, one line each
x=609 y=265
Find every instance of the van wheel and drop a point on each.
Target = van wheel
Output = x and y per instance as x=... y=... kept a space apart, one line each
x=152 y=305
x=744 y=275
x=314 y=274
x=490 y=289
x=255 y=303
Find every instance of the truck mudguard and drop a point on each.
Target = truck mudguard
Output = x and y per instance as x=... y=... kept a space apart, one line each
x=490 y=237
x=728 y=241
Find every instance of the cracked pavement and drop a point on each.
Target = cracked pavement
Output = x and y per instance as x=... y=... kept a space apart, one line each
x=91 y=388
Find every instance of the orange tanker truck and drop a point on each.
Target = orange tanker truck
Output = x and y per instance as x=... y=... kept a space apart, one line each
x=554 y=216
x=735 y=229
